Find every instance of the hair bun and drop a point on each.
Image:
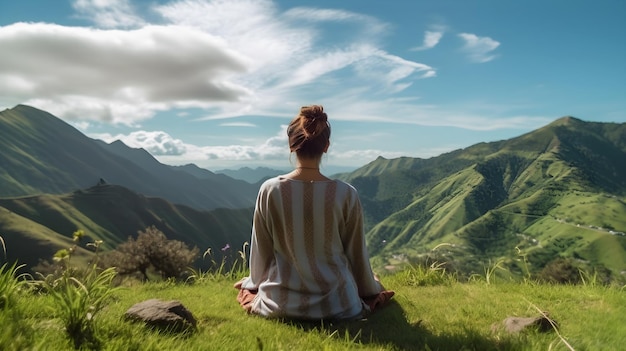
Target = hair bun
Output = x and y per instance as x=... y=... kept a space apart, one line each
x=314 y=112
x=309 y=132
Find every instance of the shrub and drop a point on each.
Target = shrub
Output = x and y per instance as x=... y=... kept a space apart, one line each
x=151 y=249
x=561 y=271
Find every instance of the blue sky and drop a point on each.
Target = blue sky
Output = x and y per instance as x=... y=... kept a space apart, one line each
x=215 y=82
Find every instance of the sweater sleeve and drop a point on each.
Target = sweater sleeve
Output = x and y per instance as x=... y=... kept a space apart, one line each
x=261 y=245
x=356 y=251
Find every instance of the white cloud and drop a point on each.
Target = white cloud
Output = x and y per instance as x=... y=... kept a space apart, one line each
x=114 y=75
x=368 y=25
x=238 y=124
x=162 y=145
x=478 y=48
x=157 y=143
x=431 y=39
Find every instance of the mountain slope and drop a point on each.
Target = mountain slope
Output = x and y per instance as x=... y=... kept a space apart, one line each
x=42 y=154
x=35 y=227
x=537 y=193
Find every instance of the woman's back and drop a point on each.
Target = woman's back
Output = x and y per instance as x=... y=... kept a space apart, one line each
x=313 y=232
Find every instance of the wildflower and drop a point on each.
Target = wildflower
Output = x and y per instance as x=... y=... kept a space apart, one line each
x=78 y=235
x=61 y=255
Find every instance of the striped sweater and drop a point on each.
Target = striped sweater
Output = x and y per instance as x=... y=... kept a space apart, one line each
x=308 y=257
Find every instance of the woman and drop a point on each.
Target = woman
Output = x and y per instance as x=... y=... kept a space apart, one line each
x=308 y=258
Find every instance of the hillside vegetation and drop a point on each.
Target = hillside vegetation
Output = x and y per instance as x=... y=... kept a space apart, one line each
x=36 y=227
x=559 y=191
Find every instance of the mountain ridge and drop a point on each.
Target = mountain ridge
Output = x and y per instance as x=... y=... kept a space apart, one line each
x=487 y=199
x=42 y=154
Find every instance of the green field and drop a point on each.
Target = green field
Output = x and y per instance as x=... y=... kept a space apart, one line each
x=431 y=311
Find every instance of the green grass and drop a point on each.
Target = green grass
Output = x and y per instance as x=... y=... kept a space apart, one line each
x=429 y=312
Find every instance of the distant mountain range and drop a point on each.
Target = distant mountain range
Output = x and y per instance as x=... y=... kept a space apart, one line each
x=557 y=191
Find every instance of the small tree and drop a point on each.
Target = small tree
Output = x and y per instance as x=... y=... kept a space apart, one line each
x=151 y=249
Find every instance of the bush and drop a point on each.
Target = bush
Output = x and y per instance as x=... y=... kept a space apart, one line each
x=561 y=271
x=151 y=249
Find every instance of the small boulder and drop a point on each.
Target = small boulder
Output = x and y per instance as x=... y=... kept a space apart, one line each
x=167 y=315
x=517 y=324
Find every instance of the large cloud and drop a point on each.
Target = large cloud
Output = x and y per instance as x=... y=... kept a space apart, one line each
x=121 y=76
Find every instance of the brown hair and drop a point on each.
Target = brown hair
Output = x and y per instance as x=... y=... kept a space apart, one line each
x=309 y=132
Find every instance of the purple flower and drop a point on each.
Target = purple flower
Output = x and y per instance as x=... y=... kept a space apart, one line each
x=226 y=247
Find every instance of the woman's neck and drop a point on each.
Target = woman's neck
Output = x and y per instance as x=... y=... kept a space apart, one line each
x=308 y=164
x=307 y=170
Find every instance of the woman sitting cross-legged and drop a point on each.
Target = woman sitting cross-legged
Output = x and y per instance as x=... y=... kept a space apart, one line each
x=308 y=258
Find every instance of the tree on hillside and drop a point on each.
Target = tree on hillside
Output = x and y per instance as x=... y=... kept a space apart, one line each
x=151 y=249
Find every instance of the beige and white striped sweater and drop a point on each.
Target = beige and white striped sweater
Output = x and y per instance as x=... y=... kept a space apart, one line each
x=308 y=257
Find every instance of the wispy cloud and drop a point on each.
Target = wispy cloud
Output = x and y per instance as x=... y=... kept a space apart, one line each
x=368 y=25
x=431 y=39
x=479 y=49
x=238 y=124
x=108 y=13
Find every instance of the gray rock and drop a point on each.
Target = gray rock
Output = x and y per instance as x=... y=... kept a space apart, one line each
x=517 y=324
x=168 y=315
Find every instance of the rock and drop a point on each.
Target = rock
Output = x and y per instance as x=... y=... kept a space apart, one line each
x=168 y=315
x=517 y=324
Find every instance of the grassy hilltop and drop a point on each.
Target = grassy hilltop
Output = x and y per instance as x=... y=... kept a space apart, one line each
x=431 y=311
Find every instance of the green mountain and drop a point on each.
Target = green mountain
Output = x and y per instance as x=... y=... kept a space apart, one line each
x=35 y=227
x=43 y=155
x=557 y=191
